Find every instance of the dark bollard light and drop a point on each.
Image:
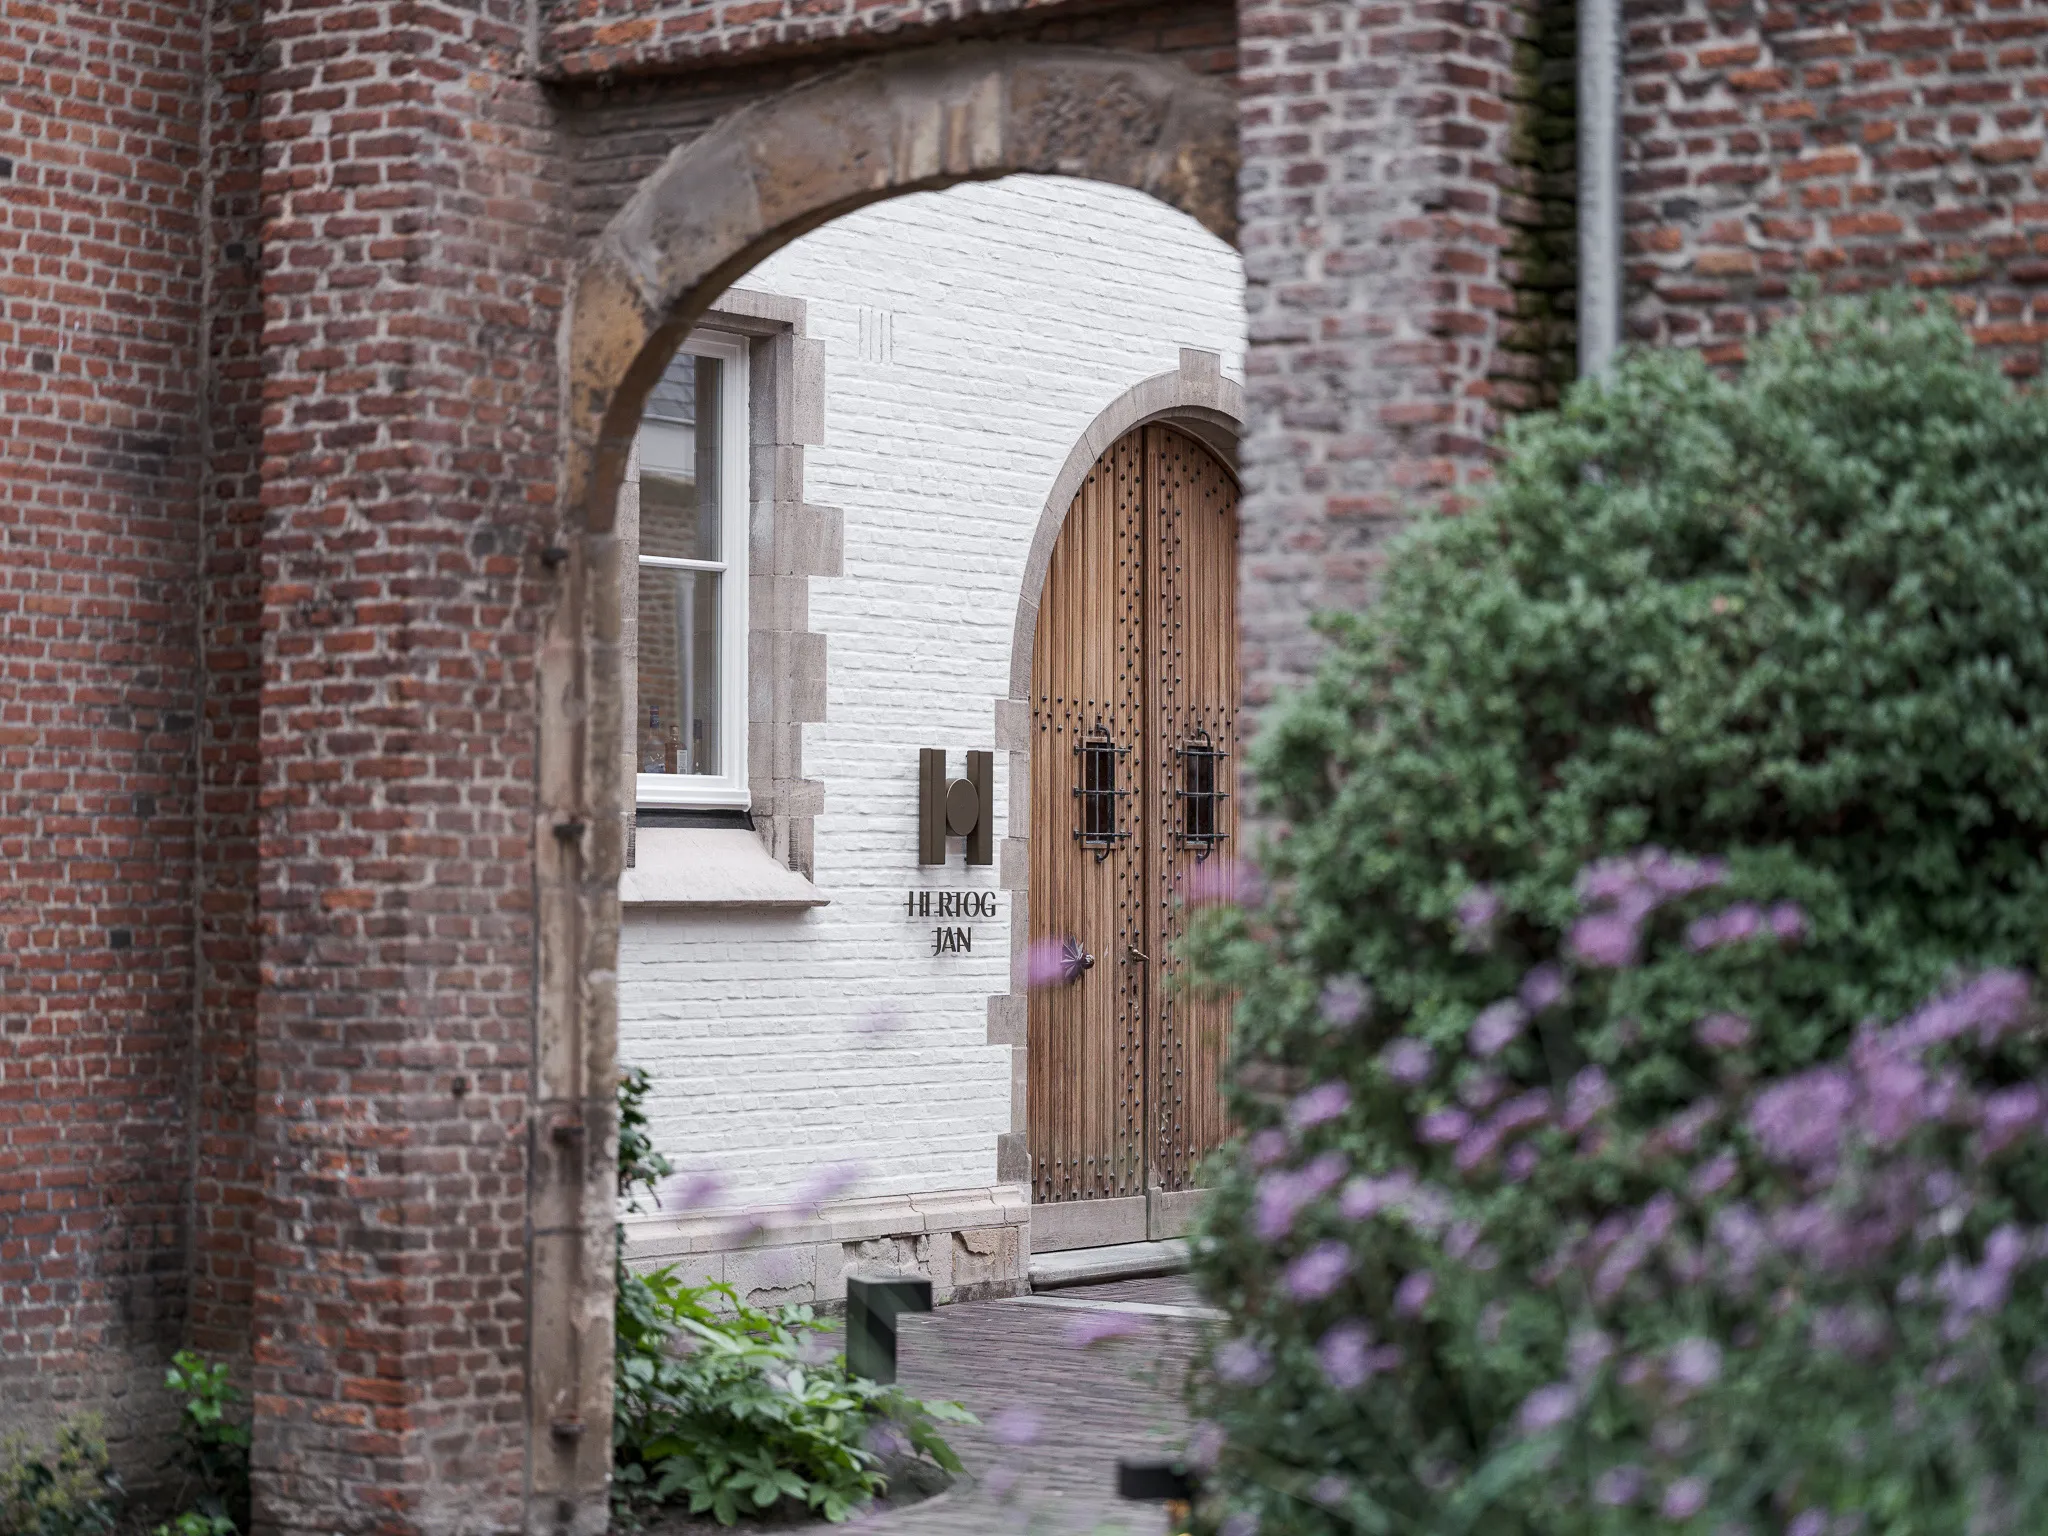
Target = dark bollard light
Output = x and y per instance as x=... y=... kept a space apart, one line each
x=872 y=1305
x=1158 y=1482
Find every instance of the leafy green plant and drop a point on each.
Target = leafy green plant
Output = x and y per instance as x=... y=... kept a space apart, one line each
x=67 y=1489
x=215 y=1452
x=1798 y=621
x=734 y=1410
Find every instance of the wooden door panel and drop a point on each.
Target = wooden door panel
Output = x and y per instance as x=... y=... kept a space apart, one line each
x=1085 y=1087
x=1137 y=653
x=1192 y=730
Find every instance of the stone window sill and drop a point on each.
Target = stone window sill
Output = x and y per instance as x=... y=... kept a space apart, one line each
x=711 y=867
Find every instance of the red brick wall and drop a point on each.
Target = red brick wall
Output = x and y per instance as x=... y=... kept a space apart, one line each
x=582 y=39
x=99 y=466
x=1859 y=144
x=413 y=273
x=1377 y=165
x=226 y=1174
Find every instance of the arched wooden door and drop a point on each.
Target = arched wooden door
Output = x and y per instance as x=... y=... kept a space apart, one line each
x=1134 y=716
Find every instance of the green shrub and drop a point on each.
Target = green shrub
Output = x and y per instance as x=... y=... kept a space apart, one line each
x=754 y=1409
x=68 y=1489
x=1798 y=621
x=735 y=1410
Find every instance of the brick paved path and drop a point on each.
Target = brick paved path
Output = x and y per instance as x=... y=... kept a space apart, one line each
x=1055 y=1417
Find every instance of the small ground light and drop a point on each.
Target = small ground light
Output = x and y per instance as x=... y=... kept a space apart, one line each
x=1159 y=1482
x=873 y=1303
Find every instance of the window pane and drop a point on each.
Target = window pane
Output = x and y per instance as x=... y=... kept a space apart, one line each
x=679 y=671
x=679 y=469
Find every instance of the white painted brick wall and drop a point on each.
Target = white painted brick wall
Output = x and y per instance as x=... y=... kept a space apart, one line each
x=971 y=335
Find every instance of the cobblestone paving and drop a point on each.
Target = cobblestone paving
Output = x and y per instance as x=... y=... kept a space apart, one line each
x=1055 y=1417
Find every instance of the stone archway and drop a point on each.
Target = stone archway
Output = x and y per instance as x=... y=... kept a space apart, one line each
x=909 y=122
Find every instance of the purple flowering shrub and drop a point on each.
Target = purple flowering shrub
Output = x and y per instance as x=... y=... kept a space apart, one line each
x=1808 y=1303
x=1549 y=1094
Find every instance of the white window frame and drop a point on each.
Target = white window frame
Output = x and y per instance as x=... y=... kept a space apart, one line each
x=666 y=447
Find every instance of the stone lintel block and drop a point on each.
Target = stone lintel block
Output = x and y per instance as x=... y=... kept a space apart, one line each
x=1195 y=363
x=1018 y=795
x=1008 y=1019
x=809 y=541
x=799 y=677
x=1013 y=861
x=1013 y=725
x=770 y=312
x=806 y=404
x=1013 y=1157
x=803 y=797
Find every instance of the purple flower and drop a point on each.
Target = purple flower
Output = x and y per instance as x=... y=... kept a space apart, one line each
x=1043 y=963
x=1711 y=1177
x=1408 y=1062
x=1476 y=1148
x=1241 y=1522
x=1522 y=1160
x=1589 y=1096
x=1266 y=1148
x=690 y=1191
x=1496 y=1026
x=1542 y=988
x=1742 y=921
x=1607 y=940
x=1991 y=1004
x=1693 y=1364
x=1325 y=1101
x=1224 y=882
x=1800 y=1121
x=1344 y=1001
x=1018 y=1424
x=1787 y=922
x=828 y=1183
x=1546 y=1408
x=1722 y=1031
x=1808 y=1522
x=1440 y=1127
x=1619 y=1486
x=1413 y=1293
x=1346 y=1356
x=1092 y=1328
x=1522 y=1111
x=2007 y=1115
x=1318 y=1272
x=1242 y=1363
x=1585 y=1352
x=1684 y=1499
x=1205 y=1444
x=1478 y=911
x=1365 y=1197
x=1282 y=1195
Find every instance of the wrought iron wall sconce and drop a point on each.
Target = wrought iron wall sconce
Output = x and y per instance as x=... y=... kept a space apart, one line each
x=956 y=807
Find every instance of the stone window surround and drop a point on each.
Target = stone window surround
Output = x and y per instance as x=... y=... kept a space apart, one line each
x=1198 y=399
x=790 y=542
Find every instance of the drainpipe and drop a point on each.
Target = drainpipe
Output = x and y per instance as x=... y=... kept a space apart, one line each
x=1599 y=113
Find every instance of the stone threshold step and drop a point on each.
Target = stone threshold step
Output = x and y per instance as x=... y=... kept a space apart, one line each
x=1124 y=1261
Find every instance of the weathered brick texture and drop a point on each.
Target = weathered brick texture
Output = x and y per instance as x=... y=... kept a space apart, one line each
x=583 y=39
x=1861 y=145
x=100 y=319
x=412 y=276
x=1377 y=169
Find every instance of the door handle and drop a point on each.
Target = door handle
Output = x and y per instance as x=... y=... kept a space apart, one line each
x=1132 y=952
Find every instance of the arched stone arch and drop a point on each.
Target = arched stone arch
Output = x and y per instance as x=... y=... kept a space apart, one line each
x=897 y=123
x=1197 y=398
